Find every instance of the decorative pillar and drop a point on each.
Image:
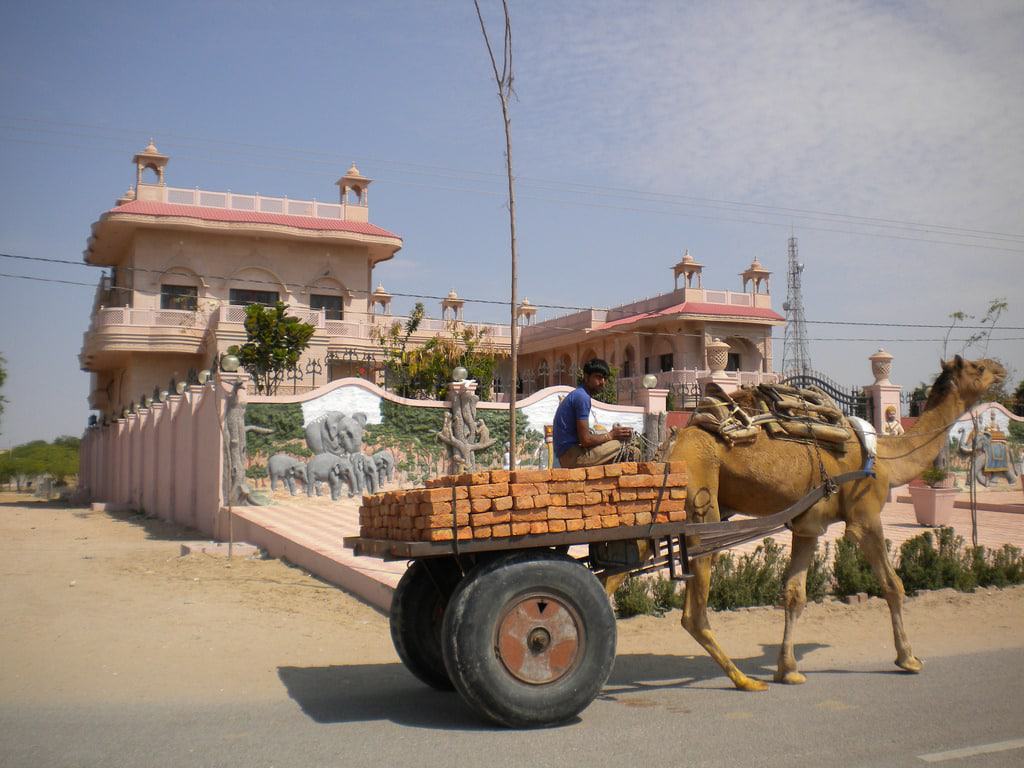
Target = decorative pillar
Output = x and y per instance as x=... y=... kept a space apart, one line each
x=883 y=393
x=717 y=358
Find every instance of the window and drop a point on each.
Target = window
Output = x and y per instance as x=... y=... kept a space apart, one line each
x=179 y=297
x=734 y=362
x=665 y=362
x=627 y=368
x=242 y=297
x=332 y=305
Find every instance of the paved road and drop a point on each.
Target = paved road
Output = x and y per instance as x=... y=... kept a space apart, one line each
x=379 y=715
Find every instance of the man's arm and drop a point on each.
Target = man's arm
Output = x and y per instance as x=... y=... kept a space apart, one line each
x=589 y=439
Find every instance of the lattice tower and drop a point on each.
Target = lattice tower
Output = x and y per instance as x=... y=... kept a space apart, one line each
x=795 y=356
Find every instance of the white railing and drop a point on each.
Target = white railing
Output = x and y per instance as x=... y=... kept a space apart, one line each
x=168 y=318
x=254 y=203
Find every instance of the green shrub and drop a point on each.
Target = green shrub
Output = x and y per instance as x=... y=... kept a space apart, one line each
x=633 y=598
x=933 y=476
x=754 y=579
x=997 y=567
x=925 y=566
x=666 y=595
x=819 y=574
x=851 y=571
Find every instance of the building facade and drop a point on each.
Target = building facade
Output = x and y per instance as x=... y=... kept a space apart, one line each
x=677 y=336
x=182 y=264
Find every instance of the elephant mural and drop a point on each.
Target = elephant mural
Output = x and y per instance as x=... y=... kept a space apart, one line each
x=282 y=467
x=334 y=470
x=366 y=472
x=385 y=461
x=993 y=457
x=336 y=432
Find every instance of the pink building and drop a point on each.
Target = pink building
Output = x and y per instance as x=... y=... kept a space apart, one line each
x=183 y=263
x=683 y=336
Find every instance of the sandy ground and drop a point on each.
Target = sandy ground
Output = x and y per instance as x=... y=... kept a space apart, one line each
x=102 y=607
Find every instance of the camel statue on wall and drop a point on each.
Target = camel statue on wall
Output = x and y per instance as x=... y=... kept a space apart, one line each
x=768 y=475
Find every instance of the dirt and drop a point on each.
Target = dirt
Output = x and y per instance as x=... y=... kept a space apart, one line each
x=102 y=606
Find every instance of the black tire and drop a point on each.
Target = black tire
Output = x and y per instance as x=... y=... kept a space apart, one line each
x=529 y=639
x=417 y=616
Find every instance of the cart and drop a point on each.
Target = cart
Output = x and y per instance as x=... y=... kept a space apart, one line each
x=524 y=631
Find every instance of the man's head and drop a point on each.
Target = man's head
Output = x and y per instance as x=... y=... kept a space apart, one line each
x=595 y=373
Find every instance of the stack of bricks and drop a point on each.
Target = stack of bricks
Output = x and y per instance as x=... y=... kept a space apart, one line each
x=499 y=503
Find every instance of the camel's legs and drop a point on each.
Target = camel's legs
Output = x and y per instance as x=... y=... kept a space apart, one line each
x=871 y=540
x=695 y=621
x=795 y=600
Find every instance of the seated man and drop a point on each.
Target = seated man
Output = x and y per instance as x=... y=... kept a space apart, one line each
x=574 y=442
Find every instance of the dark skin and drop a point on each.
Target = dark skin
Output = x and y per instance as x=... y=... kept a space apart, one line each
x=594 y=383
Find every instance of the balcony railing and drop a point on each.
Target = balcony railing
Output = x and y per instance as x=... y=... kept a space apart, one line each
x=231 y=313
x=254 y=203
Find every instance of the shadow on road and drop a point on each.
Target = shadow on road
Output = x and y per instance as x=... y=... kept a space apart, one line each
x=360 y=692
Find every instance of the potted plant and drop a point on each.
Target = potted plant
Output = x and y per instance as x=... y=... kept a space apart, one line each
x=933 y=503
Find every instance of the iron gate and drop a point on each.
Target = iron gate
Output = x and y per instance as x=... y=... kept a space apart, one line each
x=851 y=400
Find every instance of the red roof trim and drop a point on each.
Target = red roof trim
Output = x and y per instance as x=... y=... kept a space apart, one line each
x=148 y=208
x=698 y=308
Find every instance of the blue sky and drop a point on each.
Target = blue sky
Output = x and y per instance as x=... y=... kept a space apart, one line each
x=640 y=129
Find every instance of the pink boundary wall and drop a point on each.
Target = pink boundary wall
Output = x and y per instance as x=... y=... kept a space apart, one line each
x=167 y=460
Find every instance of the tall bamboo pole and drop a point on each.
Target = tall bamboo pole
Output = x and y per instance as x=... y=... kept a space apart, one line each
x=503 y=80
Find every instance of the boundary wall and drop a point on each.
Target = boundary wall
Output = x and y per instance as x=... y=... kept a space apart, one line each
x=167 y=459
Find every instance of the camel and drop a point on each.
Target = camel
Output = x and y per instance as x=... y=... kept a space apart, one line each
x=768 y=475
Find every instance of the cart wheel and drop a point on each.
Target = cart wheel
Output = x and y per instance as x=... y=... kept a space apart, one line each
x=417 y=615
x=529 y=639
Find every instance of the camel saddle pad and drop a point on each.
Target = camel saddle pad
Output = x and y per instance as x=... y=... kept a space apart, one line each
x=780 y=410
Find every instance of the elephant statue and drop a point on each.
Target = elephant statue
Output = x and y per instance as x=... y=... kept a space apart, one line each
x=336 y=433
x=385 y=461
x=286 y=468
x=334 y=470
x=993 y=457
x=366 y=472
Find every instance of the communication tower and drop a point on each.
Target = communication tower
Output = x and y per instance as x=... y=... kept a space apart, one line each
x=795 y=356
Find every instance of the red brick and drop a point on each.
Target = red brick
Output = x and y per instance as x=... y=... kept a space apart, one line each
x=677 y=478
x=573 y=525
x=648 y=493
x=499 y=531
x=556 y=526
x=488 y=491
x=628 y=495
x=564 y=513
x=521 y=502
x=677 y=493
x=576 y=499
x=489 y=518
x=557 y=499
x=609 y=521
x=677 y=515
x=522 y=489
x=612 y=470
x=530 y=516
x=626 y=519
x=541 y=500
x=499 y=475
x=520 y=529
x=480 y=505
x=590 y=523
x=502 y=503
x=637 y=481
x=566 y=486
x=671 y=505
x=483 y=532
x=642 y=518
x=445 y=521
x=539 y=527
x=595 y=473
x=650 y=468
x=530 y=475
x=561 y=473
x=628 y=467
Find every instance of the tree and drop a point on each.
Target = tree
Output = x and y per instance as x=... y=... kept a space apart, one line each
x=394 y=342
x=503 y=80
x=432 y=364
x=275 y=343
x=58 y=459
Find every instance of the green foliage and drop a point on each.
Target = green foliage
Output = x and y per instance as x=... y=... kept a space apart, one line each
x=1017 y=428
x=633 y=598
x=932 y=476
x=923 y=565
x=754 y=579
x=393 y=342
x=666 y=594
x=997 y=567
x=819 y=574
x=275 y=344
x=58 y=459
x=851 y=571
x=286 y=421
x=527 y=440
x=256 y=472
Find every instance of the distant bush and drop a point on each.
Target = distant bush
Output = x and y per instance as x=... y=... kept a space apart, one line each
x=754 y=579
x=633 y=598
x=923 y=565
x=819 y=574
x=852 y=573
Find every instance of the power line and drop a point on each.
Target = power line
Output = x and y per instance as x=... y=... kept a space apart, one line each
x=431 y=297
x=659 y=197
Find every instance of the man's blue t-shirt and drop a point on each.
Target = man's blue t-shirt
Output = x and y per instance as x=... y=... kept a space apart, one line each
x=574 y=407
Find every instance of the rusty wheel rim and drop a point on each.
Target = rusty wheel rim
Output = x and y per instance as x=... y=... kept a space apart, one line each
x=540 y=638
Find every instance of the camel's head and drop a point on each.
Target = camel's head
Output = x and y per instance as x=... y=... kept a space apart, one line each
x=967 y=379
